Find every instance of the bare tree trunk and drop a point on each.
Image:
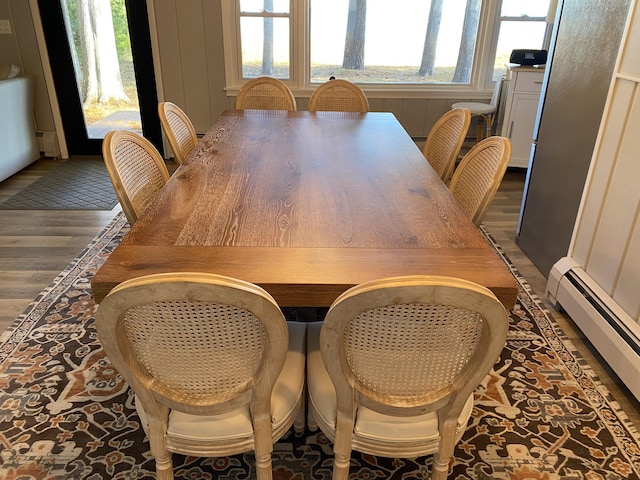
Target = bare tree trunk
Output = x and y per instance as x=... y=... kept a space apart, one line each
x=101 y=82
x=89 y=87
x=462 y=73
x=431 y=39
x=354 y=43
x=267 y=42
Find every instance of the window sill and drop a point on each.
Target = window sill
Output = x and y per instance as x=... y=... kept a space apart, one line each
x=401 y=91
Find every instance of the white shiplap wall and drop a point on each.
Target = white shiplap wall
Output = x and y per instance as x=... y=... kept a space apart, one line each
x=606 y=239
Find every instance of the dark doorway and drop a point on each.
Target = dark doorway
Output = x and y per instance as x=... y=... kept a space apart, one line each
x=102 y=64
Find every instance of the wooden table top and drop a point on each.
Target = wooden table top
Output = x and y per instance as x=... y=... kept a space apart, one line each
x=306 y=205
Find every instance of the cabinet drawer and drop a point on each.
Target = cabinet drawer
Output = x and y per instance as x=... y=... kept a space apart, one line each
x=530 y=82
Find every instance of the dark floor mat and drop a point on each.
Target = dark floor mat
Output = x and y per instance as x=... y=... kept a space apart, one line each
x=81 y=184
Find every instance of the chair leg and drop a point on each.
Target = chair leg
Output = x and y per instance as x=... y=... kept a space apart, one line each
x=263 y=445
x=264 y=469
x=440 y=469
x=340 y=469
x=299 y=423
x=164 y=470
x=480 y=129
x=312 y=424
x=164 y=463
x=342 y=447
x=490 y=121
x=443 y=456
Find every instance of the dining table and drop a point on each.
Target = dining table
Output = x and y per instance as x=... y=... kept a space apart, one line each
x=306 y=205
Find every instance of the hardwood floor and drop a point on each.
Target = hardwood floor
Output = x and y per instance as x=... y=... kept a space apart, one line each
x=37 y=245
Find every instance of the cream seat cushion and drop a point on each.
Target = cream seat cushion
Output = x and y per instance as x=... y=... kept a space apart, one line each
x=369 y=424
x=476 y=108
x=236 y=425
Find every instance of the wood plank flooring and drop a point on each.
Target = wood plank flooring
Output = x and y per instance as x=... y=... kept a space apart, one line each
x=37 y=245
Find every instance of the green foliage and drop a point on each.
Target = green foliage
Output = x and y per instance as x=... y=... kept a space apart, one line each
x=72 y=18
x=120 y=27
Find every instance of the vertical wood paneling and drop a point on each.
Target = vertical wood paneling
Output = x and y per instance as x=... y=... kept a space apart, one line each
x=630 y=62
x=169 y=51
x=218 y=99
x=607 y=235
x=599 y=180
x=626 y=293
x=192 y=25
x=619 y=205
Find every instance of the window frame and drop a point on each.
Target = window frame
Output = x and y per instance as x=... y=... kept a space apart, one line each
x=495 y=34
x=299 y=82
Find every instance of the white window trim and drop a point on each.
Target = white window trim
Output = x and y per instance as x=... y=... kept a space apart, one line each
x=480 y=84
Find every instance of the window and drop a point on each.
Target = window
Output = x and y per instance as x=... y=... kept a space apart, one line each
x=521 y=24
x=405 y=41
x=264 y=37
x=402 y=44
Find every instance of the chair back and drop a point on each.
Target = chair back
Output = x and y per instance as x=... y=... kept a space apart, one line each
x=338 y=96
x=476 y=179
x=204 y=349
x=178 y=129
x=265 y=93
x=407 y=346
x=445 y=140
x=497 y=90
x=194 y=342
x=136 y=169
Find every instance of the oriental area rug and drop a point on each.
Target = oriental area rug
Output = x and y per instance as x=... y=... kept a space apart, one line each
x=66 y=414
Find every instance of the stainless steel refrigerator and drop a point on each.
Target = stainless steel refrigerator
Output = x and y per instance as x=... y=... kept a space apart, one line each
x=583 y=51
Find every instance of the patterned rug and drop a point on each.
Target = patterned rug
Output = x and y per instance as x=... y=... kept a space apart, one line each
x=65 y=413
x=76 y=184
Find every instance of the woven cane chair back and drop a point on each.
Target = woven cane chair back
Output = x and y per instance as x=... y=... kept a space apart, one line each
x=476 y=179
x=265 y=93
x=445 y=139
x=204 y=355
x=178 y=129
x=136 y=169
x=338 y=96
x=404 y=356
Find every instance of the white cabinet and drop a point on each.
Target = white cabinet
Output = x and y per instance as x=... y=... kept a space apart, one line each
x=520 y=108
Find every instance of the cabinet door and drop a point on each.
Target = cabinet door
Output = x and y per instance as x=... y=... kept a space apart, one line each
x=521 y=120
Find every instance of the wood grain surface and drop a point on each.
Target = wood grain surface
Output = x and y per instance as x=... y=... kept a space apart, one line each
x=306 y=205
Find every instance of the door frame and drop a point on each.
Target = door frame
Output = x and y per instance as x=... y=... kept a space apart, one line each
x=67 y=110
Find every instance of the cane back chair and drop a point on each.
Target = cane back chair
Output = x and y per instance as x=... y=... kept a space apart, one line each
x=265 y=93
x=392 y=370
x=338 y=96
x=444 y=141
x=477 y=178
x=178 y=129
x=215 y=368
x=136 y=169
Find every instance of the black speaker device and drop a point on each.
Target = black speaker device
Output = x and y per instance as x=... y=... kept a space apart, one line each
x=528 y=57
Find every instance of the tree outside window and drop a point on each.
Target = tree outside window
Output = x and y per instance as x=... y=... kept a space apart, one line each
x=405 y=42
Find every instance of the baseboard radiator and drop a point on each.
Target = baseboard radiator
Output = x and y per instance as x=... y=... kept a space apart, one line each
x=614 y=334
